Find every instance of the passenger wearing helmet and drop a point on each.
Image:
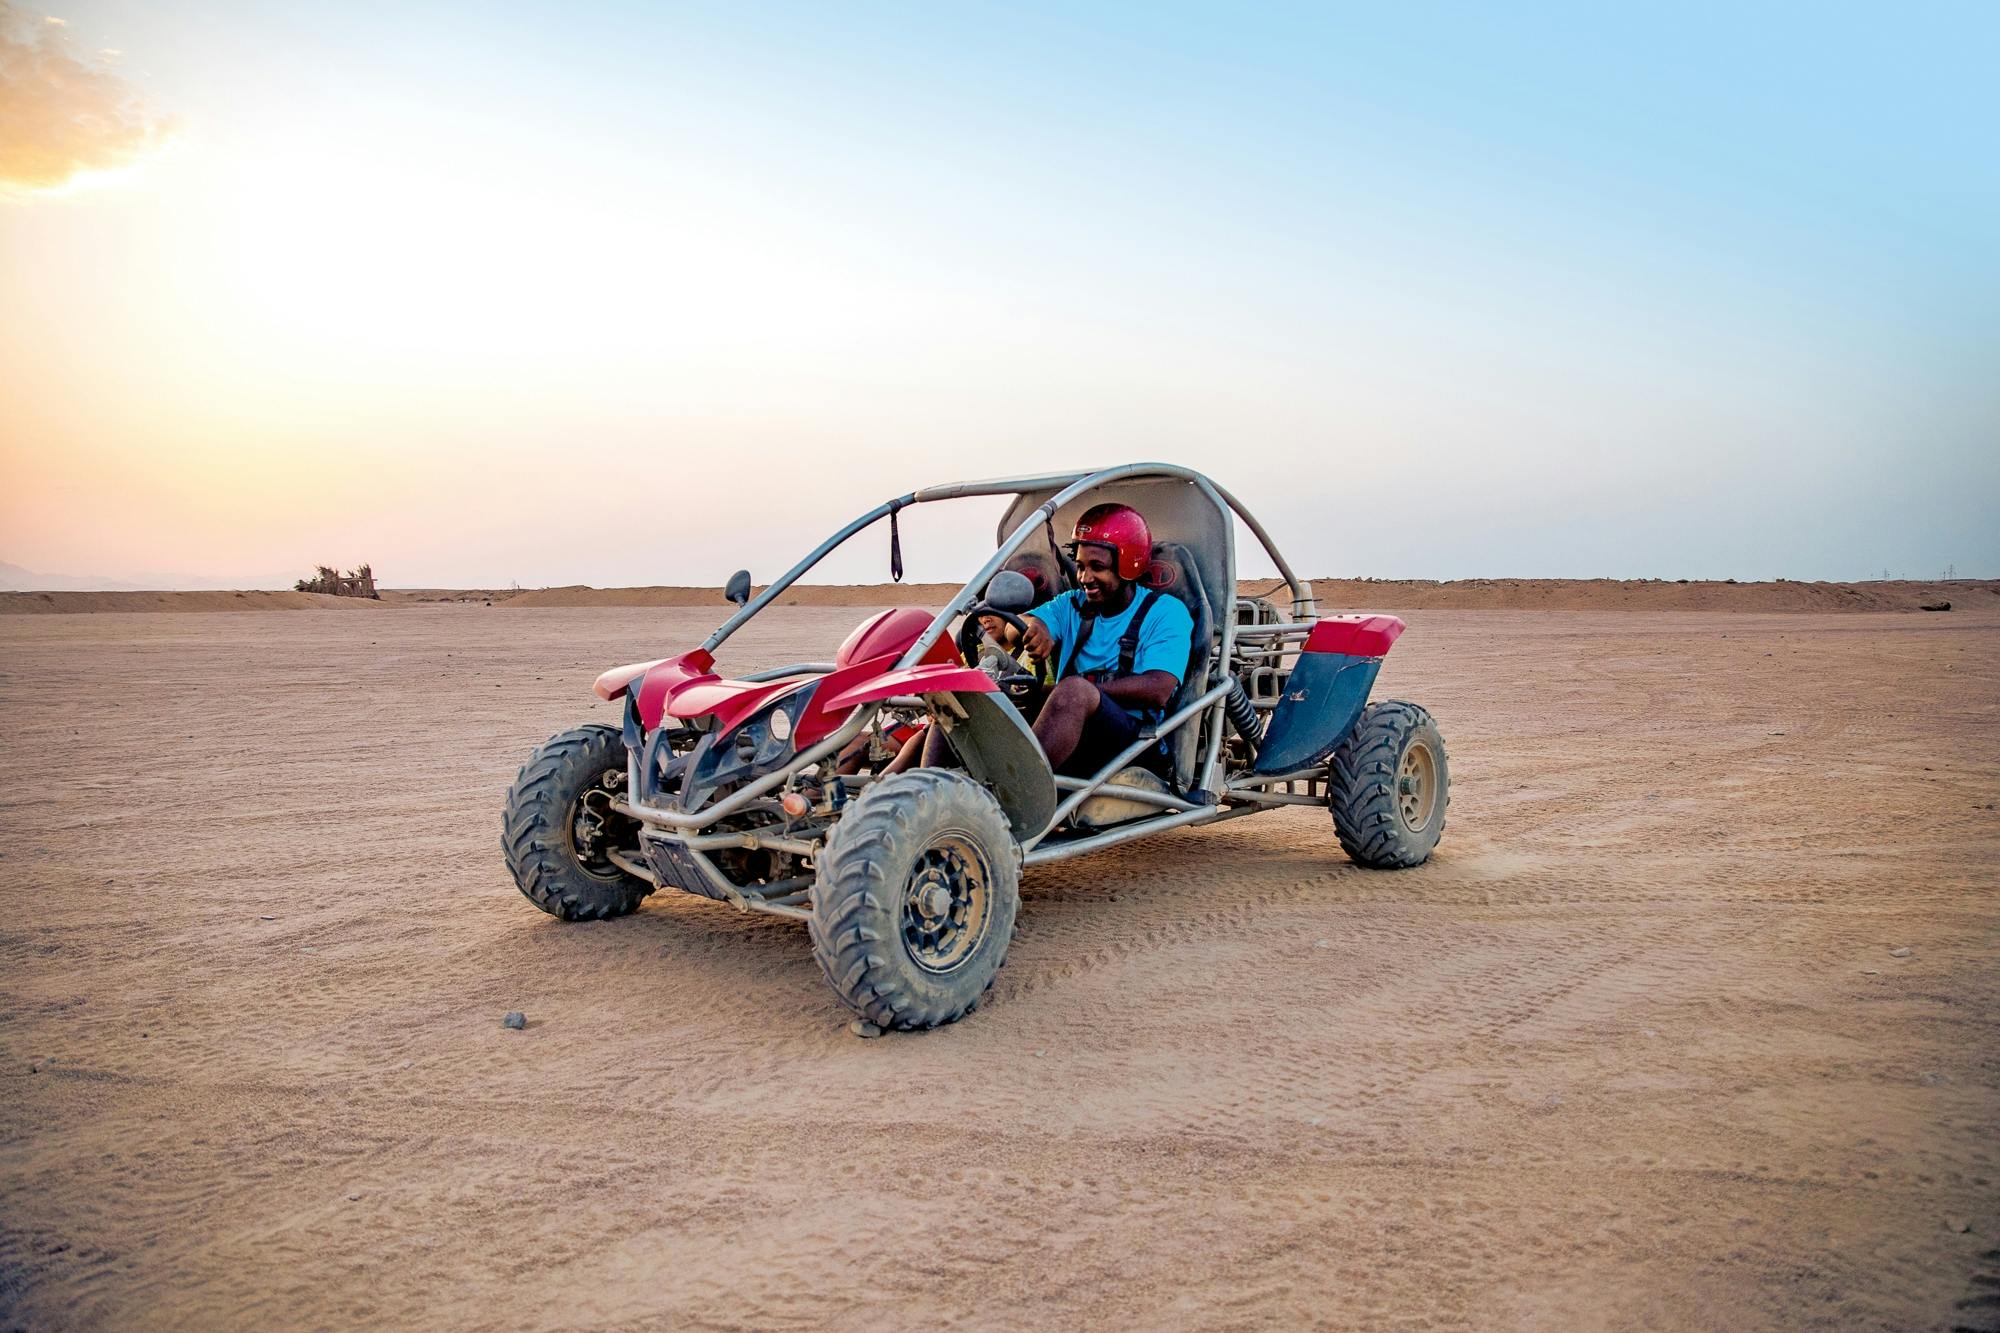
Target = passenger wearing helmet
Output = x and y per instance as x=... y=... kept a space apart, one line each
x=1119 y=648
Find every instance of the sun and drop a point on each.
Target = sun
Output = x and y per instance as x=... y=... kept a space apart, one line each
x=96 y=178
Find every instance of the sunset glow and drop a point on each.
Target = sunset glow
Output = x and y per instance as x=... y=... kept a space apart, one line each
x=307 y=293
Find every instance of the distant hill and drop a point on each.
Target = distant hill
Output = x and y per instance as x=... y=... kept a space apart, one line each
x=249 y=599
x=17 y=578
x=14 y=578
x=1334 y=595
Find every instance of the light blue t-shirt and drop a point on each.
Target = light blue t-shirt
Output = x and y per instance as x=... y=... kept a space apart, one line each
x=1164 y=640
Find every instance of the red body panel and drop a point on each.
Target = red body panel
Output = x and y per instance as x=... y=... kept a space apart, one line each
x=870 y=680
x=613 y=683
x=730 y=701
x=890 y=633
x=675 y=673
x=935 y=679
x=684 y=687
x=1357 y=636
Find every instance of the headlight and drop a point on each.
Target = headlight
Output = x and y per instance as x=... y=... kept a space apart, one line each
x=758 y=745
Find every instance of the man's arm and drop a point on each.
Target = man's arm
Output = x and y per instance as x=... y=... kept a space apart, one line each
x=1162 y=655
x=1147 y=689
x=1040 y=642
x=1048 y=624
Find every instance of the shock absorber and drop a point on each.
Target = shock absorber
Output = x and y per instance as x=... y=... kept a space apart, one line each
x=1242 y=715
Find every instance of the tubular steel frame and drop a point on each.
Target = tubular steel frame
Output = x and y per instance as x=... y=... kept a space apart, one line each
x=1209 y=801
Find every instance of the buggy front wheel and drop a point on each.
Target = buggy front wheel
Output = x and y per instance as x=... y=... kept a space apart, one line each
x=559 y=829
x=916 y=898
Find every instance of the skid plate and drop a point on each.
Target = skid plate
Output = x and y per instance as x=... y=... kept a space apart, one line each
x=679 y=866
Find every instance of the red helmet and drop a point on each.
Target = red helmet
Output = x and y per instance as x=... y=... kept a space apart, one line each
x=1121 y=528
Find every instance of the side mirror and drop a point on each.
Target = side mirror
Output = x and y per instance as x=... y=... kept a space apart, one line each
x=1010 y=591
x=737 y=589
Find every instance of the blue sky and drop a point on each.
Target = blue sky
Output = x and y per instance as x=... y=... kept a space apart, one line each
x=1441 y=291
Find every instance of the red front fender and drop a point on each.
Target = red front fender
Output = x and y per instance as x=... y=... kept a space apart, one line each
x=613 y=683
x=916 y=680
x=686 y=687
x=872 y=680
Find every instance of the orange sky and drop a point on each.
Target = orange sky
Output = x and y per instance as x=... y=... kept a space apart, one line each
x=635 y=297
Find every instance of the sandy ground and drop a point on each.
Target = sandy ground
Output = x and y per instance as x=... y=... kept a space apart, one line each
x=1637 y=1049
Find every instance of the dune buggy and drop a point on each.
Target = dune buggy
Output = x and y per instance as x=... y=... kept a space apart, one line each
x=734 y=789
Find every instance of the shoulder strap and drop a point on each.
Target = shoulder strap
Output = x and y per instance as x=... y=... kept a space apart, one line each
x=1086 y=620
x=1128 y=642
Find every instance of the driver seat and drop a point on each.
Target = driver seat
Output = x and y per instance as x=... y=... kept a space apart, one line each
x=1174 y=573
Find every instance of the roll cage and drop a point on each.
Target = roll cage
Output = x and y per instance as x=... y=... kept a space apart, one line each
x=691 y=836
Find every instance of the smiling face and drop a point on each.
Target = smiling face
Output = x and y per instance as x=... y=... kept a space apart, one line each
x=1097 y=571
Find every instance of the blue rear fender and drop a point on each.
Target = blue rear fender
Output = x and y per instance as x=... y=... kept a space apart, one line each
x=1326 y=691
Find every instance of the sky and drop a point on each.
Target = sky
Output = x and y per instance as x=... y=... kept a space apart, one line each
x=620 y=293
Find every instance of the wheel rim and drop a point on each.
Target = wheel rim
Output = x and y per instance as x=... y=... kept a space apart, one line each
x=1417 y=786
x=947 y=903
x=595 y=828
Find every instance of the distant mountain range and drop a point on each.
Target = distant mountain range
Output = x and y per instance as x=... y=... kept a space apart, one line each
x=15 y=578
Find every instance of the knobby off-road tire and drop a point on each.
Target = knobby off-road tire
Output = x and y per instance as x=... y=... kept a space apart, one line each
x=1390 y=786
x=915 y=903
x=562 y=873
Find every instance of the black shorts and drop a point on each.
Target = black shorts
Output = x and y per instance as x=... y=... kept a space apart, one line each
x=1105 y=733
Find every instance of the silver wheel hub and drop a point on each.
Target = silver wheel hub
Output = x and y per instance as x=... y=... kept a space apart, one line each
x=1417 y=787
x=934 y=901
x=946 y=903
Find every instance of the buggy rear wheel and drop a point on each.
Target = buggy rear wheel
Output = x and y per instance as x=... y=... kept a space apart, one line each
x=559 y=827
x=1390 y=786
x=916 y=898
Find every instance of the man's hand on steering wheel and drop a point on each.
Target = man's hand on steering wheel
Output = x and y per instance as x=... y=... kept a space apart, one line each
x=1036 y=636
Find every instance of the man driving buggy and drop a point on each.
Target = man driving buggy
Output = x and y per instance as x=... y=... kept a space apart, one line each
x=1119 y=648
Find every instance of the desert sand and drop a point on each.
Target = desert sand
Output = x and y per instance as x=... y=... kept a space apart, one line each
x=1691 y=1022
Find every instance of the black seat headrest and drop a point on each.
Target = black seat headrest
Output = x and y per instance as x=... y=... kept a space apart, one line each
x=1175 y=573
x=1041 y=570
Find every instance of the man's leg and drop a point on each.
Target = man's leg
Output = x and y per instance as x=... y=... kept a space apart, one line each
x=937 y=750
x=906 y=757
x=1059 y=726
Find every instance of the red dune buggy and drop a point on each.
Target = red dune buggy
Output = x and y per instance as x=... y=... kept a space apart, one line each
x=728 y=788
